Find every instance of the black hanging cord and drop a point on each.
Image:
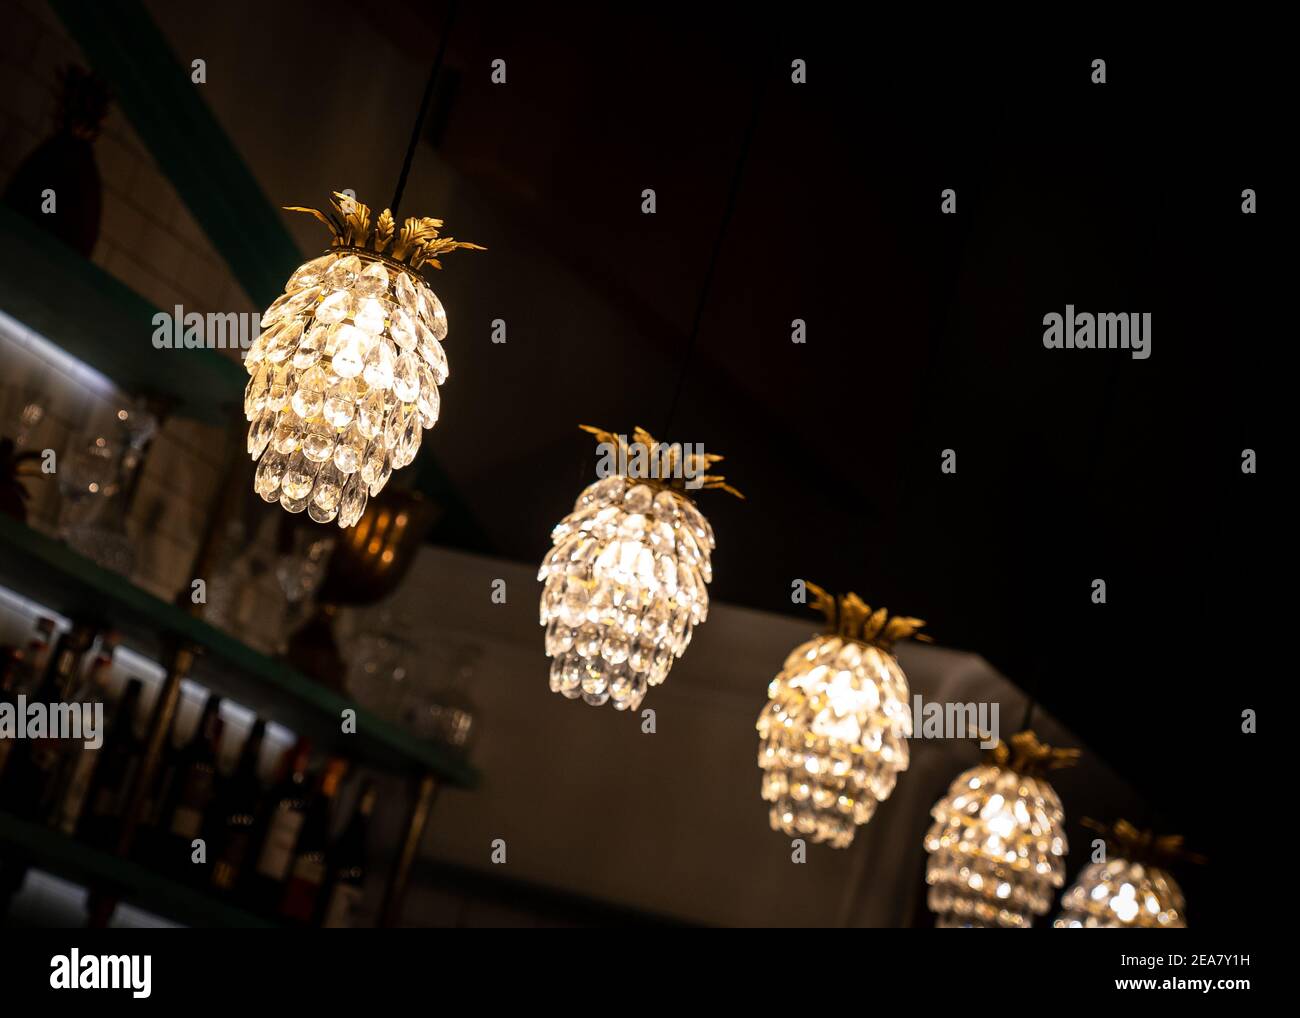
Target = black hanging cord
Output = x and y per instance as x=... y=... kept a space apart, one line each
x=733 y=194
x=424 y=108
x=1029 y=714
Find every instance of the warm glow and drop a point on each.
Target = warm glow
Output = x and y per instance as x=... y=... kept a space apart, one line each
x=344 y=382
x=997 y=849
x=625 y=586
x=1119 y=894
x=837 y=711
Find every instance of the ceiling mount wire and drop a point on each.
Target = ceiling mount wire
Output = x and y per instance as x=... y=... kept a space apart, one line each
x=424 y=108
x=733 y=195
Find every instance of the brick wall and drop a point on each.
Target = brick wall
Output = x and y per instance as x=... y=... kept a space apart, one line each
x=148 y=241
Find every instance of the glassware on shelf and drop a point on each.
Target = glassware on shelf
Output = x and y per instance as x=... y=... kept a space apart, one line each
x=449 y=714
x=98 y=478
x=422 y=689
x=379 y=677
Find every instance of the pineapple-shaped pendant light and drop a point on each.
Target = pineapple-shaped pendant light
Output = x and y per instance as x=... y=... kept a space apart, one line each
x=1131 y=889
x=835 y=729
x=997 y=845
x=345 y=376
x=626 y=581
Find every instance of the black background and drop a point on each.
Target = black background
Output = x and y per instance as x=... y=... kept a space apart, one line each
x=925 y=333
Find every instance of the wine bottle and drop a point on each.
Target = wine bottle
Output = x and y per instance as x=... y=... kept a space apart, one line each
x=33 y=766
x=348 y=865
x=235 y=814
x=282 y=823
x=11 y=663
x=80 y=759
x=196 y=786
x=307 y=874
x=35 y=656
x=115 y=771
x=154 y=842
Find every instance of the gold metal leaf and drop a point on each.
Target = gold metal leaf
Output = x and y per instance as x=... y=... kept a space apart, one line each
x=642 y=437
x=383 y=230
x=335 y=228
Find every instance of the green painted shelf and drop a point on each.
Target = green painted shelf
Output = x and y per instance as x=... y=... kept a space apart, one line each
x=52 y=574
x=79 y=307
x=66 y=857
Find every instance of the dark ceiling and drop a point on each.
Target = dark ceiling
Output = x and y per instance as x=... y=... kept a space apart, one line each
x=924 y=334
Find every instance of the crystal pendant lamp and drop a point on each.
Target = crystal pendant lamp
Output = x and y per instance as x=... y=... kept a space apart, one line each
x=835 y=729
x=344 y=379
x=1131 y=889
x=626 y=581
x=997 y=845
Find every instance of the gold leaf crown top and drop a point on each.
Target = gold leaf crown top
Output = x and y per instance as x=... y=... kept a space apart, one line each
x=673 y=466
x=417 y=243
x=849 y=616
x=1024 y=754
x=1143 y=846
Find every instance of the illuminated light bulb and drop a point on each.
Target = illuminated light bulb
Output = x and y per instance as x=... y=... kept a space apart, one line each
x=627 y=580
x=835 y=729
x=1130 y=889
x=997 y=845
x=344 y=378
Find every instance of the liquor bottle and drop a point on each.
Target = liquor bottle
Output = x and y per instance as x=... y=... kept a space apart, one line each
x=194 y=783
x=11 y=663
x=196 y=786
x=153 y=839
x=234 y=814
x=33 y=766
x=307 y=874
x=286 y=810
x=115 y=771
x=35 y=656
x=348 y=865
x=78 y=763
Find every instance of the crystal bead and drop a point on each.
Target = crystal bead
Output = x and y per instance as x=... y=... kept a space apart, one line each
x=432 y=313
x=352 y=502
x=334 y=308
x=349 y=355
x=309 y=397
x=405 y=292
x=429 y=401
x=341 y=403
x=343 y=273
x=371 y=414
x=266 y=479
x=379 y=365
x=373 y=281
x=318 y=442
x=282 y=345
x=259 y=435
x=349 y=451
x=403 y=329
x=436 y=357
x=255 y=394
x=287 y=434
x=309 y=274
x=310 y=347
x=297 y=479
x=406 y=378
x=369 y=316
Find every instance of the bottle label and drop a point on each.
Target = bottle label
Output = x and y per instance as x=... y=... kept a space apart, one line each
x=342 y=908
x=196 y=792
x=310 y=868
x=187 y=822
x=78 y=785
x=277 y=853
x=225 y=874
